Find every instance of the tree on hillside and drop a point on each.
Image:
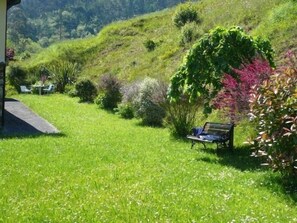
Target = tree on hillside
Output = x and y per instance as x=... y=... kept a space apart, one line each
x=214 y=54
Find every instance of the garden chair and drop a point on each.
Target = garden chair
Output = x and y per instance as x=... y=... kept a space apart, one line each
x=49 y=89
x=25 y=90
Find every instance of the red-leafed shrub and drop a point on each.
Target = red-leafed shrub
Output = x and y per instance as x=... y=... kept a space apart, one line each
x=234 y=97
x=274 y=108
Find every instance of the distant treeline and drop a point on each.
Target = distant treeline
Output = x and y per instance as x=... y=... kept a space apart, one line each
x=45 y=22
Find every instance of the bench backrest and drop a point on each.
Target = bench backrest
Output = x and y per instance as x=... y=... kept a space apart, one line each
x=217 y=128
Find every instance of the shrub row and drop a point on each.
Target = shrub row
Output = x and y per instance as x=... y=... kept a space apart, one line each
x=146 y=100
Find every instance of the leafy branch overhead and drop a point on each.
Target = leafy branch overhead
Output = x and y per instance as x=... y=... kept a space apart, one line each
x=216 y=53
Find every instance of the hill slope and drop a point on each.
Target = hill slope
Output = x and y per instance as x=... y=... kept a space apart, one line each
x=68 y=19
x=119 y=48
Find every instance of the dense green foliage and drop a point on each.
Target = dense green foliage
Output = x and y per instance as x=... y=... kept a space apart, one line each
x=16 y=76
x=275 y=110
x=150 y=45
x=213 y=55
x=185 y=14
x=33 y=20
x=86 y=90
x=125 y=110
x=109 y=92
x=105 y=169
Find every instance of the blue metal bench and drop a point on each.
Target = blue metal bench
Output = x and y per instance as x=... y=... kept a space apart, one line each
x=219 y=133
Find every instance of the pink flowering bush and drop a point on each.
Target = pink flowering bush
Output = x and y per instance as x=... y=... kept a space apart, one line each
x=234 y=97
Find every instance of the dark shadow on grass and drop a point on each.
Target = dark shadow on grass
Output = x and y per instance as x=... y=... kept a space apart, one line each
x=10 y=99
x=31 y=136
x=141 y=124
x=176 y=137
x=288 y=185
x=239 y=158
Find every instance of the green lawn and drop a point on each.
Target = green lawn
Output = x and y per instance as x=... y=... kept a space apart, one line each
x=106 y=169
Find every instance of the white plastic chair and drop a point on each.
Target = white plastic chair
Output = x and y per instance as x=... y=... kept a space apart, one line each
x=24 y=89
x=50 y=89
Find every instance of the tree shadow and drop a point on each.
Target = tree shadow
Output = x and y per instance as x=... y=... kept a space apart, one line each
x=286 y=185
x=239 y=158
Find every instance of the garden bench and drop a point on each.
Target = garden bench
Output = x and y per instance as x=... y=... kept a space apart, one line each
x=219 y=133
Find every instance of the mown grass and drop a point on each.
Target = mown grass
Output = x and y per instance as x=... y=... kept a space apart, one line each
x=105 y=169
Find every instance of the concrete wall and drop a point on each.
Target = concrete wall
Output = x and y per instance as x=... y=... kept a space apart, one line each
x=2 y=29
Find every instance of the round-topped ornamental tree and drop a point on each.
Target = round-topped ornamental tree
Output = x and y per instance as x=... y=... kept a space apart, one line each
x=216 y=53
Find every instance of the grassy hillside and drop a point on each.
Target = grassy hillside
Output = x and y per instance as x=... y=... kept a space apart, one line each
x=119 y=48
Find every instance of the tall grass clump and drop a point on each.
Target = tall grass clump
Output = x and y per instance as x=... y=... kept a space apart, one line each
x=182 y=115
x=63 y=72
x=189 y=33
x=150 y=45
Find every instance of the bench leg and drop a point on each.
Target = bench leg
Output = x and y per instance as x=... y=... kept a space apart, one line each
x=230 y=145
x=203 y=143
x=218 y=145
x=193 y=144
